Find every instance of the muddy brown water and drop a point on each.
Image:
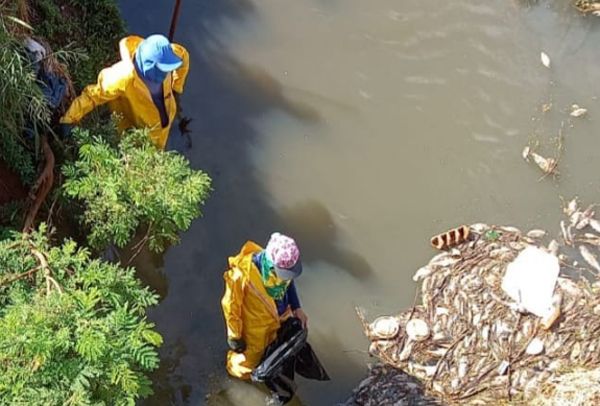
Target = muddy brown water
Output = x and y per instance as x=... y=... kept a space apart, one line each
x=361 y=128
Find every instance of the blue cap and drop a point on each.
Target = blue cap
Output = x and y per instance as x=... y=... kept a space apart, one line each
x=156 y=51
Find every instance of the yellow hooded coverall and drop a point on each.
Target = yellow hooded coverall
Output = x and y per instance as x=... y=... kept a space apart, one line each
x=250 y=313
x=125 y=91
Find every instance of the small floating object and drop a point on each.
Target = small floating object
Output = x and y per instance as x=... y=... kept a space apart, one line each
x=545 y=59
x=385 y=327
x=417 y=330
x=536 y=233
x=577 y=111
x=535 y=347
x=525 y=153
x=547 y=165
x=450 y=238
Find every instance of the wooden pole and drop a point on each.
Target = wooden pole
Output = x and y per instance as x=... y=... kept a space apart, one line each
x=174 y=19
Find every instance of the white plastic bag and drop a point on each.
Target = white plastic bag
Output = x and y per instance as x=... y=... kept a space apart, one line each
x=530 y=280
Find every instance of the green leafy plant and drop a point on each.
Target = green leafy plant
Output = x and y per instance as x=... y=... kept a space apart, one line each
x=21 y=103
x=133 y=186
x=93 y=26
x=73 y=328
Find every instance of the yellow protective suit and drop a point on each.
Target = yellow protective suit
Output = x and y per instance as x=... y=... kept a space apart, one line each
x=250 y=313
x=125 y=91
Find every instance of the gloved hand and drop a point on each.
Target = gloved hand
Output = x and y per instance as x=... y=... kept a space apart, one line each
x=236 y=344
x=65 y=130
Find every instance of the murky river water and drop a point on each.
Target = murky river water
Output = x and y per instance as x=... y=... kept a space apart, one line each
x=361 y=128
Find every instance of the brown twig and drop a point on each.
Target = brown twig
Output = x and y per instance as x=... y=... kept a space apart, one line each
x=44 y=183
x=20 y=276
x=140 y=245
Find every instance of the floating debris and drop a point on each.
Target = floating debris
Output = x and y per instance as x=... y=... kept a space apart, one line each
x=478 y=346
x=545 y=59
x=588 y=6
x=384 y=328
x=547 y=165
x=577 y=111
x=450 y=238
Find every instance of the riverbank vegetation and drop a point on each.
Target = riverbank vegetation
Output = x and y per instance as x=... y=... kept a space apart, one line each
x=74 y=329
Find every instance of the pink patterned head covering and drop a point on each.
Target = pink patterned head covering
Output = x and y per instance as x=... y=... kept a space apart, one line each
x=284 y=253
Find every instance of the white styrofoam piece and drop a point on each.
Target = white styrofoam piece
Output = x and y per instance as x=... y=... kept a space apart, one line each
x=530 y=280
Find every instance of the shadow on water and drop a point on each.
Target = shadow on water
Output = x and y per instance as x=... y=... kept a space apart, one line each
x=311 y=224
x=223 y=96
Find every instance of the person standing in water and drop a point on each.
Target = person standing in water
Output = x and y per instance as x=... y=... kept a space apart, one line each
x=259 y=294
x=142 y=88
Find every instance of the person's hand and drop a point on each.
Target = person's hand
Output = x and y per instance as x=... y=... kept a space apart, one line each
x=236 y=344
x=299 y=313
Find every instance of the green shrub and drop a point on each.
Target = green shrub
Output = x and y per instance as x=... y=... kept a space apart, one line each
x=133 y=186
x=73 y=328
x=21 y=103
x=93 y=26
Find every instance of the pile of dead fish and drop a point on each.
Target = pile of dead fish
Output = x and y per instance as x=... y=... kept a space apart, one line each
x=469 y=342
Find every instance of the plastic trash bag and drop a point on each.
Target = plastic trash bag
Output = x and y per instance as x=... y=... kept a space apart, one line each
x=288 y=354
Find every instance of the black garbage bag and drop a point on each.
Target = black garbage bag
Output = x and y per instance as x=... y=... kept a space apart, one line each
x=288 y=354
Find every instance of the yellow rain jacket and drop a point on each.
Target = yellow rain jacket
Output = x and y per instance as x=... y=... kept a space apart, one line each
x=125 y=91
x=250 y=313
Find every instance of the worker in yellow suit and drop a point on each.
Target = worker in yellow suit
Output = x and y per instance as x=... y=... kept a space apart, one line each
x=141 y=87
x=259 y=294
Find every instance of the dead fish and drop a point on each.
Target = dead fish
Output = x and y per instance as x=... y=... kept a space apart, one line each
x=547 y=165
x=536 y=233
x=441 y=311
x=479 y=227
x=439 y=257
x=575 y=218
x=569 y=287
x=583 y=223
x=566 y=233
x=510 y=229
x=503 y=367
x=595 y=224
x=571 y=207
x=589 y=257
x=422 y=273
x=525 y=153
x=444 y=262
x=576 y=351
x=406 y=351
x=463 y=367
x=553 y=247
